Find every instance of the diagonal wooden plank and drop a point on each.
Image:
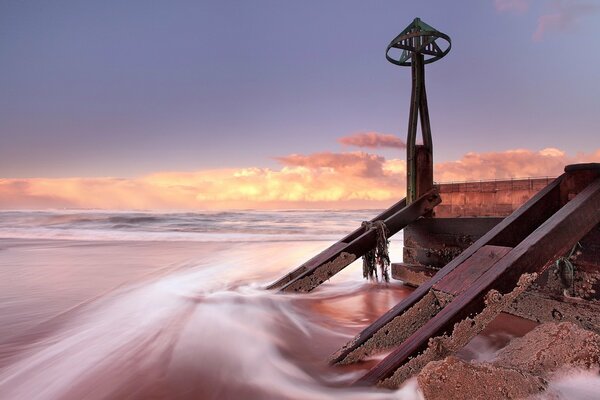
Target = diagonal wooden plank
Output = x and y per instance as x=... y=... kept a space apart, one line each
x=334 y=248
x=535 y=253
x=329 y=266
x=469 y=271
x=514 y=227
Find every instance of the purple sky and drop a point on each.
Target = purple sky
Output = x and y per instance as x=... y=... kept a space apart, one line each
x=124 y=88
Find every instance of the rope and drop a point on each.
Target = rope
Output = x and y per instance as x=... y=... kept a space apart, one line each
x=379 y=255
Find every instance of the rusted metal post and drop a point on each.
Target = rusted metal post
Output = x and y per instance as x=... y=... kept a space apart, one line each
x=417 y=41
x=424 y=170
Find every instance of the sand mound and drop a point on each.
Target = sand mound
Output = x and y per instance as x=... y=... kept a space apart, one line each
x=550 y=347
x=521 y=368
x=452 y=378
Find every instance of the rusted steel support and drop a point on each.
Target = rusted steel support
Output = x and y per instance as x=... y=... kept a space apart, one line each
x=423 y=168
x=509 y=232
x=343 y=254
x=418 y=41
x=535 y=253
x=418 y=105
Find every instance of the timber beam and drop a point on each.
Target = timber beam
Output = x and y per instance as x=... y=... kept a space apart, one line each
x=334 y=248
x=343 y=253
x=551 y=240
x=507 y=233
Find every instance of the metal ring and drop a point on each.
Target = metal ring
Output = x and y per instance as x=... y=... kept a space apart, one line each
x=399 y=43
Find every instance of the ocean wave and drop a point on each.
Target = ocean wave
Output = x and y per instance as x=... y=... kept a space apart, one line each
x=271 y=226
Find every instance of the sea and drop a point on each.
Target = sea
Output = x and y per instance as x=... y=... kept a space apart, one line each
x=173 y=305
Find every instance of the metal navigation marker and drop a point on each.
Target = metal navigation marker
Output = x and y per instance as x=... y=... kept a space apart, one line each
x=415 y=46
x=416 y=42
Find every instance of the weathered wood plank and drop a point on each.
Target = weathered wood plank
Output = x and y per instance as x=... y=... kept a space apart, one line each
x=550 y=240
x=440 y=231
x=514 y=227
x=316 y=274
x=540 y=308
x=410 y=274
x=463 y=276
x=436 y=241
x=320 y=258
x=334 y=248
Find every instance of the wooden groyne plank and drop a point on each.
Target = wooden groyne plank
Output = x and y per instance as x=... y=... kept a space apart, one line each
x=345 y=253
x=535 y=253
x=434 y=242
x=410 y=274
x=507 y=233
x=463 y=276
x=334 y=248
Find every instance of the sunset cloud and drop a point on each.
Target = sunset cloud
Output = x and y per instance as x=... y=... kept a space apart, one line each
x=508 y=164
x=565 y=16
x=354 y=164
x=320 y=180
x=373 y=140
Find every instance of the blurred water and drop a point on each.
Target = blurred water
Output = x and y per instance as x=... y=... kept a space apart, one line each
x=184 y=226
x=191 y=334
x=101 y=305
x=97 y=305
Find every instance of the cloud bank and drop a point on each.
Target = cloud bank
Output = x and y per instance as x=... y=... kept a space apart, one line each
x=354 y=164
x=373 y=140
x=320 y=180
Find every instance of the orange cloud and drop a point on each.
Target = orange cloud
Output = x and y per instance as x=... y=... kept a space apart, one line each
x=373 y=140
x=321 y=180
x=355 y=164
x=508 y=164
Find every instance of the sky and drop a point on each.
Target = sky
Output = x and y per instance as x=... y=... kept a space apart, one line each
x=280 y=104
